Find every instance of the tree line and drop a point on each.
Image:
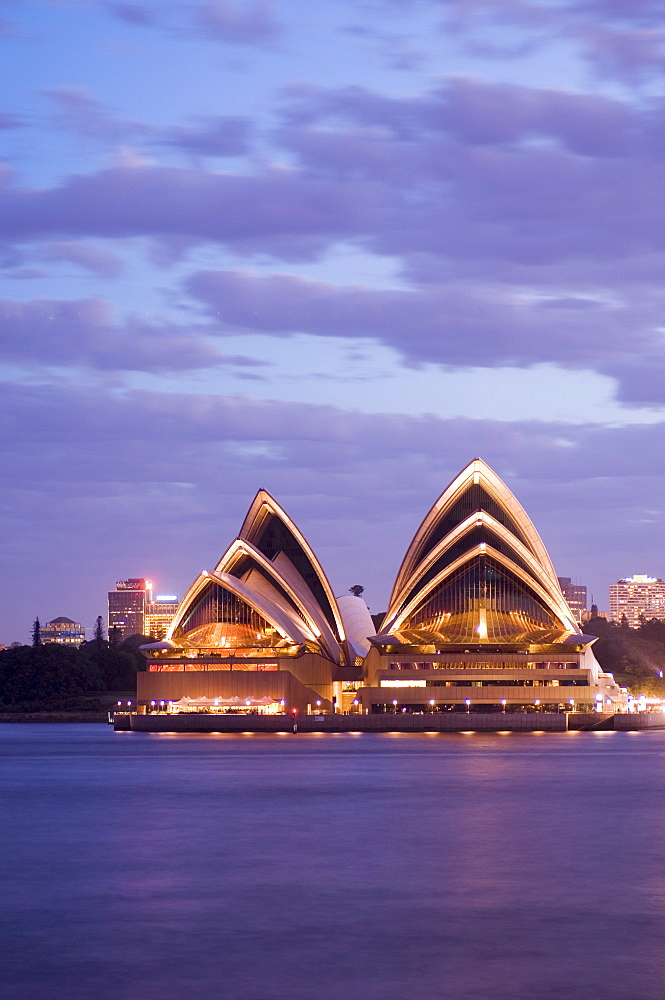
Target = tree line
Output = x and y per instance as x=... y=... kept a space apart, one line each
x=53 y=676
x=636 y=656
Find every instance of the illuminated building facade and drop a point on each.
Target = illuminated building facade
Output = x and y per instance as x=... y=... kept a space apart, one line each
x=637 y=596
x=476 y=622
x=159 y=615
x=575 y=595
x=127 y=606
x=64 y=631
x=264 y=622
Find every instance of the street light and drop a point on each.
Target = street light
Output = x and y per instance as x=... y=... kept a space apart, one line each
x=431 y=704
x=467 y=702
x=503 y=705
x=395 y=705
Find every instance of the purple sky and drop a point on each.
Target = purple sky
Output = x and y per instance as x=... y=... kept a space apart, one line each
x=334 y=250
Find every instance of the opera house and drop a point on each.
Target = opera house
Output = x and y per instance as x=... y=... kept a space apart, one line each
x=476 y=622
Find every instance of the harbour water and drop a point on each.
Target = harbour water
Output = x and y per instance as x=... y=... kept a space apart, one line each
x=311 y=867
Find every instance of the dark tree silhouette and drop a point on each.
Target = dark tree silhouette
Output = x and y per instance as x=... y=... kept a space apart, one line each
x=46 y=676
x=98 y=636
x=36 y=633
x=357 y=590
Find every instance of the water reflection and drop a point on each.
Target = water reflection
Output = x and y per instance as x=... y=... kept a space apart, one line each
x=351 y=866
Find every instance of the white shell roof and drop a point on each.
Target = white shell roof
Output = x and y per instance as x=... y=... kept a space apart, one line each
x=358 y=623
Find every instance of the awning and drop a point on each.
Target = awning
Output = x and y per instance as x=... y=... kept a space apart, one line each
x=233 y=702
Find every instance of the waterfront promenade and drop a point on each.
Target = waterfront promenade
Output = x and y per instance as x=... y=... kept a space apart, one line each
x=399 y=722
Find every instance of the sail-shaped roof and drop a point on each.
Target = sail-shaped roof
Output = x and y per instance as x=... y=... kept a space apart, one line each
x=269 y=528
x=221 y=612
x=268 y=591
x=477 y=570
x=247 y=563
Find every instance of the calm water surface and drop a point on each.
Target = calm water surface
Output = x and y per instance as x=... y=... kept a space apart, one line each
x=311 y=867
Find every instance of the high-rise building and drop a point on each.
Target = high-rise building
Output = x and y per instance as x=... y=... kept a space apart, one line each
x=64 y=631
x=635 y=596
x=159 y=614
x=575 y=594
x=127 y=605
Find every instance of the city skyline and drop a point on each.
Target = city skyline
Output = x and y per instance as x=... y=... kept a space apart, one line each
x=331 y=253
x=170 y=603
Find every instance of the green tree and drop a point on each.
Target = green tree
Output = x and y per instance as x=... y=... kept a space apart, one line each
x=596 y=626
x=653 y=628
x=116 y=667
x=45 y=676
x=626 y=653
x=118 y=663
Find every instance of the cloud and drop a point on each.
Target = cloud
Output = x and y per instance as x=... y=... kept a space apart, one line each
x=624 y=54
x=308 y=439
x=8 y=122
x=515 y=225
x=456 y=326
x=94 y=259
x=80 y=111
x=27 y=274
x=134 y=13
x=469 y=170
x=530 y=222
x=475 y=112
x=620 y=40
x=83 y=334
x=243 y=23
x=476 y=170
x=278 y=210
x=220 y=136
x=163 y=481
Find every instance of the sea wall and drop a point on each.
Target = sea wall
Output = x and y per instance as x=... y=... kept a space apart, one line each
x=635 y=721
x=407 y=722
